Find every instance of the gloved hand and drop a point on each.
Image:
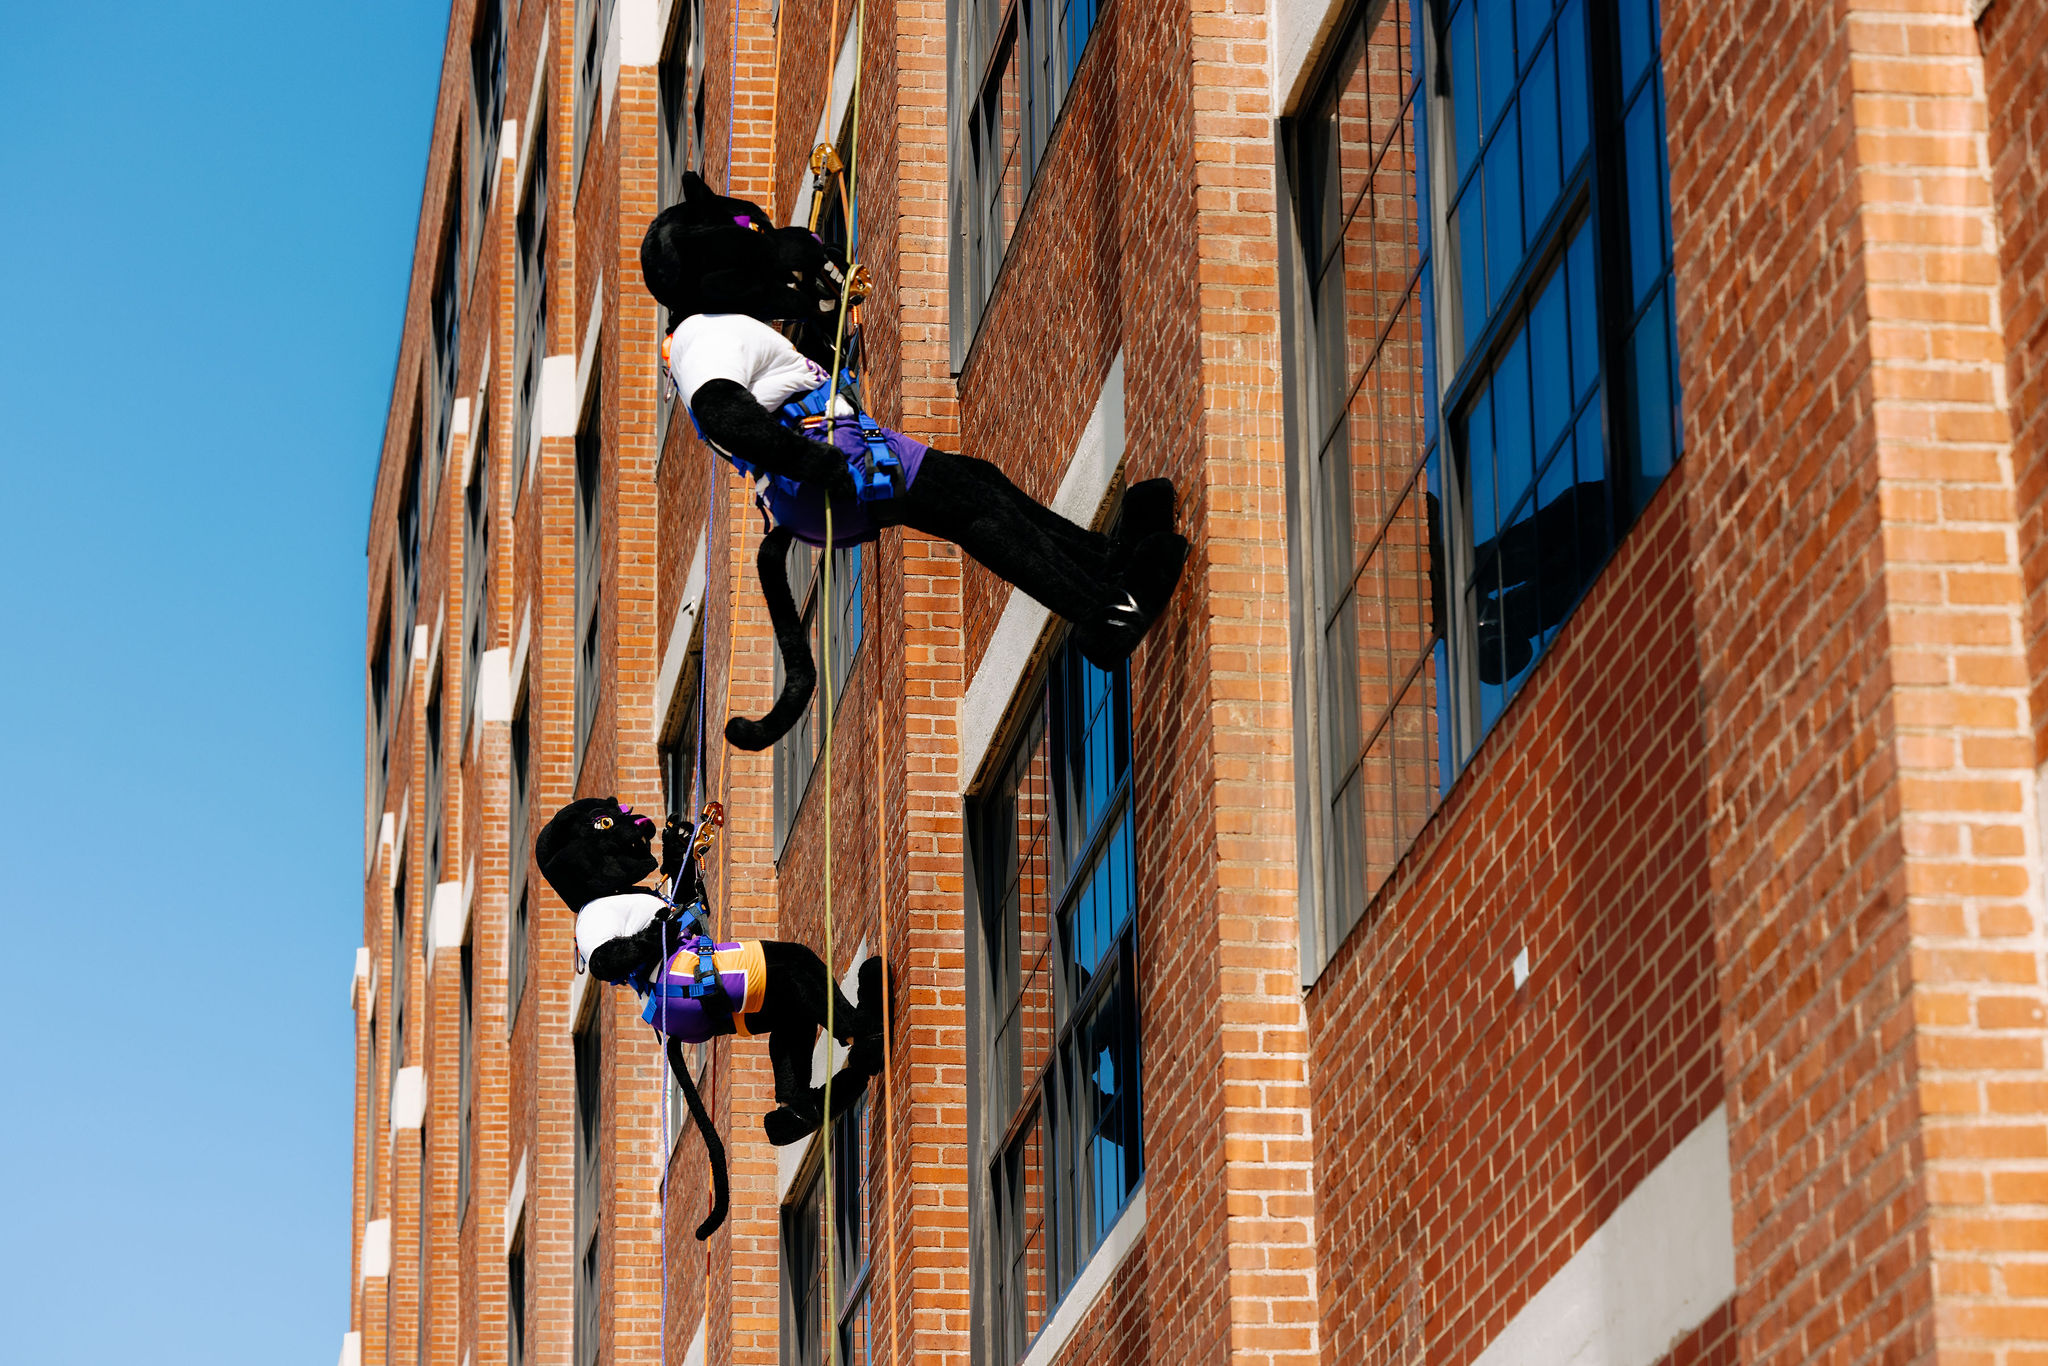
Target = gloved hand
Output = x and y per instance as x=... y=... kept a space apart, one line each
x=675 y=846
x=827 y=471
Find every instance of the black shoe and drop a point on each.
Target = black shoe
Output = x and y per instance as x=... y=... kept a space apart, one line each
x=1147 y=512
x=785 y=1125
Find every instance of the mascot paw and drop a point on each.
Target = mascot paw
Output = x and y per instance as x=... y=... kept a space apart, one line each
x=785 y=1125
x=1148 y=583
x=1148 y=512
x=864 y=1059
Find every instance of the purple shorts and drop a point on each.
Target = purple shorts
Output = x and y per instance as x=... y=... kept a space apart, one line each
x=803 y=511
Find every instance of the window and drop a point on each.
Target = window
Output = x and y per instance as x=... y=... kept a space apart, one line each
x=401 y=972
x=476 y=564
x=803 y=1286
x=796 y=754
x=447 y=337
x=372 y=1139
x=589 y=1078
x=486 y=115
x=1017 y=58
x=436 y=821
x=1478 y=430
x=518 y=853
x=589 y=559
x=409 y=550
x=682 y=141
x=380 y=705
x=593 y=31
x=530 y=324
x=1058 y=1137
x=515 y=1299
x=683 y=751
x=803 y=1275
x=465 y=1087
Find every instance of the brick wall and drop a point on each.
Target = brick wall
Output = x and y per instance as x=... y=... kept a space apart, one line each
x=1763 y=820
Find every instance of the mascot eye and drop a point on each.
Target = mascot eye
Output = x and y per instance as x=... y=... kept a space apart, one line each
x=603 y=823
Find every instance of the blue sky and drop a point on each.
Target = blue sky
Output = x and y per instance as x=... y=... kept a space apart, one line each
x=205 y=230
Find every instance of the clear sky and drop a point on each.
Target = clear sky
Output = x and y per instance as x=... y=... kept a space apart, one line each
x=206 y=221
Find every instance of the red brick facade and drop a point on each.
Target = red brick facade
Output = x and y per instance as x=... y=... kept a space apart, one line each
x=1751 y=867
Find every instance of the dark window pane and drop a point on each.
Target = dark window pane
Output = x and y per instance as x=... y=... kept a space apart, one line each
x=1513 y=466
x=1638 y=38
x=1468 y=248
x=1496 y=57
x=1645 y=130
x=1550 y=360
x=1540 y=167
x=1585 y=310
x=1572 y=91
x=1652 y=399
x=1479 y=463
x=1503 y=212
x=1530 y=17
x=1464 y=102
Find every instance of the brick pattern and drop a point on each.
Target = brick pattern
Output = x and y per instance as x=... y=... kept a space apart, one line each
x=1765 y=817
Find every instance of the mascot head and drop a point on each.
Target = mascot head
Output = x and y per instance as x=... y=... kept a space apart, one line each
x=710 y=253
x=594 y=847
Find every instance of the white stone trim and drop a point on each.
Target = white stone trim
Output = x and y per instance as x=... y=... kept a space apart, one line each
x=494 y=685
x=579 y=997
x=359 y=979
x=789 y=1164
x=831 y=117
x=585 y=355
x=1651 y=1274
x=408 y=1107
x=447 y=920
x=679 y=635
x=557 y=399
x=695 y=1356
x=517 y=673
x=1091 y=470
x=375 y=1258
x=351 y=1349
x=639 y=33
x=1301 y=30
x=515 y=1205
x=1090 y=1284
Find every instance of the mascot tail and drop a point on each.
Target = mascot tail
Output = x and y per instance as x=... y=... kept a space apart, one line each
x=714 y=1148
x=799 y=674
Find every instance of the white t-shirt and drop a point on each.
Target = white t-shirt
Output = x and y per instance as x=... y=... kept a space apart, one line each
x=708 y=346
x=614 y=917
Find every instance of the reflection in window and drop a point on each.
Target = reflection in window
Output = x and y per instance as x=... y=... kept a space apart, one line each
x=1433 y=572
x=1060 y=1145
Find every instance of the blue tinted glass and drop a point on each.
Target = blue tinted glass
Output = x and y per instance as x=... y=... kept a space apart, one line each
x=1446 y=755
x=1592 y=456
x=1636 y=38
x=1503 y=177
x=1469 y=245
x=1464 y=88
x=1080 y=23
x=1479 y=460
x=1645 y=198
x=1530 y=17
x=1554 y=480
x=1486 y=610
x=1677 y=386
x=1585 y=312
x=1428 y=358
x=1540 y=167
x=1550 y=379
x=1119 y=861
x=1514 y=469
x=1571 y=85
x=1652 y=396
x=1496 y=20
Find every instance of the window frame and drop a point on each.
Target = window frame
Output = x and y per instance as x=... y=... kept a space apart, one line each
x=515 y=1296
x=680 y=103
x=444 y=334
x=985 y=37
x=590 y=550
x=593 y=38
x=478 y=515
x=1072 y=1221
x=586 y=1237
x=1457 y=373
x=801 y=1244
x=436 y=739
x=532 y=288
x=798 y=751
x=518 y=903
x=487 y=46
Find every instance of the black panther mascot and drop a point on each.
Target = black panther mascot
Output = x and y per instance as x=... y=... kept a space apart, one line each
x=594 y=852
x=724 y=272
